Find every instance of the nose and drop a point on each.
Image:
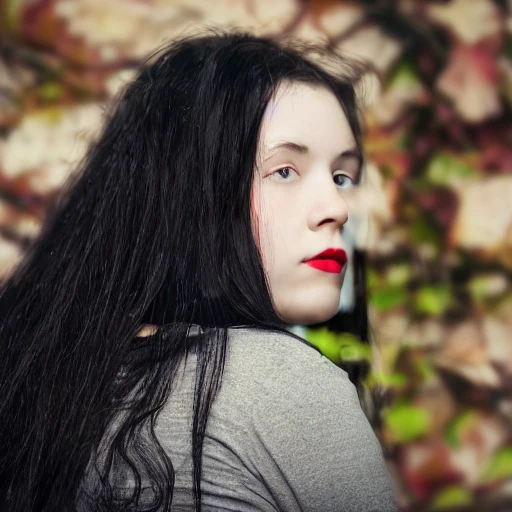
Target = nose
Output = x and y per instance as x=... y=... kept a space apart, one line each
x=329 y=207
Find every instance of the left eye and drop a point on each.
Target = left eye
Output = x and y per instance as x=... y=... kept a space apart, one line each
x=343 y=180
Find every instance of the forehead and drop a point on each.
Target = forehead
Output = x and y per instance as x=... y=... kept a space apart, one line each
x=307 y=114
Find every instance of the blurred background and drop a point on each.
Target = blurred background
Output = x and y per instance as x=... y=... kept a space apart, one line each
x=437 y=108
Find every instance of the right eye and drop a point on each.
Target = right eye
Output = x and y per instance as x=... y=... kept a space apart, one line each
x=284 y=172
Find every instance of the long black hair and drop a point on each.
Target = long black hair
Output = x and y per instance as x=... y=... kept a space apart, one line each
x=143 y=233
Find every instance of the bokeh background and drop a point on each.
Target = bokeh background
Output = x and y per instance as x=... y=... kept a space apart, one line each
x=437 y=108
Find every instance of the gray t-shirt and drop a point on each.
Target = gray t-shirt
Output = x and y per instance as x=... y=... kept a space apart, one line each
x=285 y=433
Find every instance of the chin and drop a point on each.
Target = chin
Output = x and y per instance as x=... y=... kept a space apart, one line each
x=314 y=315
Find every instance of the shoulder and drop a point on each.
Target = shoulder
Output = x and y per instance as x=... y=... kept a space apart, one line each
x=267 y=347
x=304 y=427
x=278 y=367
x=270 y=345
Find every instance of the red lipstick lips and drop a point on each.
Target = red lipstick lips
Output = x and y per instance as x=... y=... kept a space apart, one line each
x=331 y=260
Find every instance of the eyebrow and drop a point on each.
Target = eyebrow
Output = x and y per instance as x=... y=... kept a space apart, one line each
x=303 y=150
x=293 y=146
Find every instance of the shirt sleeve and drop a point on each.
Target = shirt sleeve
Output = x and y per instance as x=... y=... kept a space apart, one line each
x=315 y=449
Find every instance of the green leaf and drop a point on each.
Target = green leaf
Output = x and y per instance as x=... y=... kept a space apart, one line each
x=388 y=297
x=500 y=466
x=443 y=169
x=372 y=278
x=50 y=92
x=328 y=342
x=425 y=368
x=421 y=231
x=433 y=300
x=338 y=346
x=404 y=75
x=487 y=286
x=398 y=275
x=395 y=379
x=389 y=354
x=450 y=497
x=12 y=12
x=406 y=422
x=454 y=430
x=352 y=349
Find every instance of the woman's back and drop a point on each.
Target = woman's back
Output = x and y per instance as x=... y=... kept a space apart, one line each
x=286 y=432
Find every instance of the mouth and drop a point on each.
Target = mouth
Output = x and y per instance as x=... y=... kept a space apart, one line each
x=331 y=260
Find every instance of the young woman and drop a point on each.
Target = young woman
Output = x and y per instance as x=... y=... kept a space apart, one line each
x=200 y=214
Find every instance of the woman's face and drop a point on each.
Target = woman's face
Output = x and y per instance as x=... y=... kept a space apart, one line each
x=306 y=164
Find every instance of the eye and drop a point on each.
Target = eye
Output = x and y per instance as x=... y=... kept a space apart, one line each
x=284 y=172
x=341 y=180
x=344 y=181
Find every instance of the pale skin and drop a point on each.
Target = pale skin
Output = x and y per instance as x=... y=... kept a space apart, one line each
x=300 y=199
